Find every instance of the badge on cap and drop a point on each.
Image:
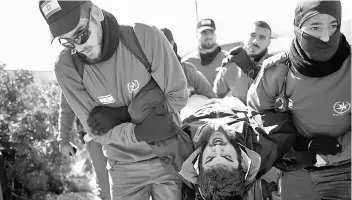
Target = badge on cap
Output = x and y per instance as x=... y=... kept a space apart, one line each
x=205 y=22
x=50 y=7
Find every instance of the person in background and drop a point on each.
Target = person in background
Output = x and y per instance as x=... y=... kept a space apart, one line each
x=196 y=81
x=209 y=54
x=241 y=66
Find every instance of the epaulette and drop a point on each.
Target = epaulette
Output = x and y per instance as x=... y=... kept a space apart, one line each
x=275 y=59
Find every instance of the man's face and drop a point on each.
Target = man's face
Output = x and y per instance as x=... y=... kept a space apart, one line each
x=258 y=41
x=219 y=150
x=93 y=46
x=207 y=38
x=321 y=26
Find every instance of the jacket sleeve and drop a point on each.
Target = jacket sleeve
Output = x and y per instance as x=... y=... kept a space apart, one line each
x=66 y=120
x=232 y=79
x=276 y=129
x=237 y=81
x=82 y=103
x=221 y=87
x=166 y=68
x=265 y=88
x=197 y=80
x=271 y=136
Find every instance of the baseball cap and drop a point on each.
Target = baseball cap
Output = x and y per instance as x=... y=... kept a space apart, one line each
x=61 y=16
x=205 y=24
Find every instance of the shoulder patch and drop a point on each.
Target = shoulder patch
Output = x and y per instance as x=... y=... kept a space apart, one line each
x=274 y=60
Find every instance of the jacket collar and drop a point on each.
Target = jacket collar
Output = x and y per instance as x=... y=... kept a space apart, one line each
x=267 y=55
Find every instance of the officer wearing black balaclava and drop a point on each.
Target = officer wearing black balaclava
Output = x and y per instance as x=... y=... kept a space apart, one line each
x=312 y=83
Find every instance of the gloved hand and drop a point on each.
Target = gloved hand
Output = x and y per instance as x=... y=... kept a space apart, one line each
x=231 y=53
x=157 y=126
x=103 y=118
x=243 y=61
x=301 y=143
x=323 y=145
x=294 y=160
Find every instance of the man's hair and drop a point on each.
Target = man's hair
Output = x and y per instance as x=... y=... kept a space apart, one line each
x=263 y=25
x=221 y=182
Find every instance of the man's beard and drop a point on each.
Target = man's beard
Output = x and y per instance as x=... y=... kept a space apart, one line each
x=208 y=46
x=97 y=58
x=258 y=56
x=204 y=139
x=255 y=54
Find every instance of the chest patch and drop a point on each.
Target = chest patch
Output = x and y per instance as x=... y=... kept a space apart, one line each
x=107 y=99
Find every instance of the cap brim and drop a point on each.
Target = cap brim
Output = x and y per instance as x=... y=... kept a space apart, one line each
x=205 y=28
x=66 y=24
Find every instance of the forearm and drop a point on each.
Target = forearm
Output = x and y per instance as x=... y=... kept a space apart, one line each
x=259 y=99
x=277 y=134
x=198 y=81
x=167 y=71
x=220 y=87
x=122 y=134
x=76 y=95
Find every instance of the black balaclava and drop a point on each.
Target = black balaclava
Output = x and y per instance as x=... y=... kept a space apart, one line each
x=315 y=48
x=311 y=56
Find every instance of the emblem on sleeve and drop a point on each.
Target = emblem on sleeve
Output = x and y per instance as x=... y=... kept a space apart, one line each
x=133 y=86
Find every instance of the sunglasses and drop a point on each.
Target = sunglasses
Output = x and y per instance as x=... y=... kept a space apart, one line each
x=79 y=39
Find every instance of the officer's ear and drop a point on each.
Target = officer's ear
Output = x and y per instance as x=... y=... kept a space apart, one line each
x=97 y=13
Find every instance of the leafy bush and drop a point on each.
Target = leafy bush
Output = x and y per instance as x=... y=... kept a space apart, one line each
x=30 y=160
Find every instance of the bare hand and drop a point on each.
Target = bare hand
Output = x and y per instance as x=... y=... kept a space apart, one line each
x=67 y=149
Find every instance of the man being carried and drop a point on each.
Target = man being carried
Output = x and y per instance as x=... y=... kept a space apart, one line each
x=233 y=151
x=197 y=83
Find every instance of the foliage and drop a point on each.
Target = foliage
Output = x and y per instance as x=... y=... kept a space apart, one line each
x=30 y=160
